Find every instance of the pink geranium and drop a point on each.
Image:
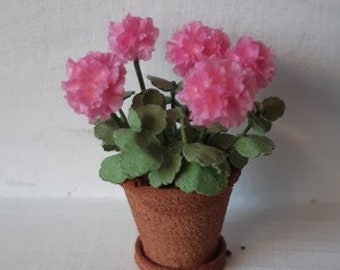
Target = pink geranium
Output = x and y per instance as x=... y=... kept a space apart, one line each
x=134 y=38
x=193 y=43
x=95 y=85
x=217 y=91
x=257 y=58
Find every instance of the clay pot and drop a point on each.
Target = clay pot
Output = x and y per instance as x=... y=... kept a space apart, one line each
x=178 y=230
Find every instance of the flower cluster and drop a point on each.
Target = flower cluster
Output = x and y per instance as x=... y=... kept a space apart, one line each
x=95 y=85
x=220 y=82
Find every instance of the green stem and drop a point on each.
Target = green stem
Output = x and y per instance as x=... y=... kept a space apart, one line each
x=184 y=136
x=243 y=133
x=202 y=135
x=139 y=75
x=173 y=100
x=122 y=114
x=117 y=119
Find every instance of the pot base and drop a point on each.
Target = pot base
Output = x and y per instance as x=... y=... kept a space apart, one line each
x=216 y=263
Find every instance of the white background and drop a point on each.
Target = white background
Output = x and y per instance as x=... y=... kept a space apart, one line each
x=47 y=150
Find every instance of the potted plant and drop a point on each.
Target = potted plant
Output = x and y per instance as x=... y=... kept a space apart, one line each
x=174 y=153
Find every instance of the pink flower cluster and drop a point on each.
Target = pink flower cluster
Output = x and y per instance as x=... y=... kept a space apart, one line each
x=219 y=82
x=215 y=91
x=133 y=38
x=95 y=84
x=194 y=43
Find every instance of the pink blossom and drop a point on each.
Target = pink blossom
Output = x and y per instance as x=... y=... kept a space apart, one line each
x=193 y=43
x=257 y=58
x=95 y=85
x=217 y=90
x=133 y=38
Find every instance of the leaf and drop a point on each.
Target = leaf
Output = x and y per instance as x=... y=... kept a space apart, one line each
x=165 y=175
x=167 y=99
x=153 y=96
x=251 y=146
x=137 y=100
x=162 y=84
x=173 y=115
x=153 y=118
x=104 y=131
x=223 y=168
x=179 y=86
x=128 y=94
x=136 y=160
x=203 y=154
x=221 y=140
x=237 y=160
x=111 y=170
x=217 y=127
x=108 y=147
x=134 y=120
x=124 y=136
x=202 y=180
x=259 y=124
x=273 y=108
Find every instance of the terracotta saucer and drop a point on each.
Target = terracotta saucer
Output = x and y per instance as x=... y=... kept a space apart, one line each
x=146 y=264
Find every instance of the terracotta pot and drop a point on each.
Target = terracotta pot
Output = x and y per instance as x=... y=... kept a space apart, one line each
x=178 y=230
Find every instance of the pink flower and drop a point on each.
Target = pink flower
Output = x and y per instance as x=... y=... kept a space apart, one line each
x=217 y=90
x=257 y=58
x=133 y=38
x=95 y=85
x=193 y=43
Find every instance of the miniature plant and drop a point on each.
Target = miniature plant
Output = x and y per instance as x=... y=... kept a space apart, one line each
x=177 y=133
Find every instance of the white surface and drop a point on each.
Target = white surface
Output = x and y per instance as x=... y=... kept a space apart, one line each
x=47 y=150
x=83 y=234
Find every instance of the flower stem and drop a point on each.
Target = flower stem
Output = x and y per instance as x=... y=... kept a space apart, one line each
x=243 y=133
x=122 y=114
x=139 y=75
x=202 y=135
x=184 y=136
x=173 y=100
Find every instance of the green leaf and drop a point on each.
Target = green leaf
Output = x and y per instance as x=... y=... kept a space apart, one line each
x=111 y=170
x=167 y=99
x=153 y=96
x=251 y=146
x=109 y=147
x=173 y=115
x=202 y=180
x=203 y=154
x=165 y=175
x=137 y=100
x=237 y=160
x=128 y=94
x=124 y=136
x=221 y=140
x=223 y=168
x=104 y=131
x=136 y=160
x=273 y=108
x=162 y=84
x=179 y=86
x=217 y=127
x=153 y=118
x=259 y=124
x=134 y=120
